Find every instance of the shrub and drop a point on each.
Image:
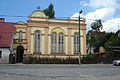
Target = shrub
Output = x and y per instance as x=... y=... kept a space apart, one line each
x=91 y=56
x=45 y=60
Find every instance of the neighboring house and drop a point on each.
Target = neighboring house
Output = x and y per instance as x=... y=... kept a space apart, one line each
x=45 y=37
x=6 y=33
x=113 y=44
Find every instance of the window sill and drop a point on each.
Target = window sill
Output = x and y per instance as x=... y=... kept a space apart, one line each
x=58 y=54
x=37 y=53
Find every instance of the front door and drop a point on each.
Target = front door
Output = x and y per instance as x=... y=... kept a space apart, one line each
x=19 y=55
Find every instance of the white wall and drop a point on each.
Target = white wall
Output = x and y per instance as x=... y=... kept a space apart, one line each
x=5 y=55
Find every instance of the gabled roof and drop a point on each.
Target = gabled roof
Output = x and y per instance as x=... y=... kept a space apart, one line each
x=113 y=35
x=6 y=32
x=114 y=41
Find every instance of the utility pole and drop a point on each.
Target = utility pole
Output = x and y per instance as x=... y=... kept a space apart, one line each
x=79 y=40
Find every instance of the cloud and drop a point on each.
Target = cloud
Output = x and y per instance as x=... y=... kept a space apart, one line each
x=76 y=15
x=84 y=3
x=104 y=10
x=111 y=25
x=104 y=13
x=101 y=3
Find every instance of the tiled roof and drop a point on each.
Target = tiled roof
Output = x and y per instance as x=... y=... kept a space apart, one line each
x=6 y=33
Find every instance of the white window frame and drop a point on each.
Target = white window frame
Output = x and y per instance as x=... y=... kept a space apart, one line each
x=54 y=42
x=76 y=43
x=61 y=42
x=20 y=39
x=37 y=37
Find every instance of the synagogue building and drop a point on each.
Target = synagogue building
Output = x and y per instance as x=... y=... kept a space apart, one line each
x=45 y=37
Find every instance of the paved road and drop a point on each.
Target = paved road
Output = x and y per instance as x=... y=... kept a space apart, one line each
x=59 y=72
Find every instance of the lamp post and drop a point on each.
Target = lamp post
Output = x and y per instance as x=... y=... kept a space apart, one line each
x=79 y=39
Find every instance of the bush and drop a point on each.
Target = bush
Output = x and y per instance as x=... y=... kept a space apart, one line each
x=91 y=56
x=45 y=60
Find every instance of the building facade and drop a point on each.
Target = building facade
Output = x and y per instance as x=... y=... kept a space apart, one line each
x=45 y=37
x=6 y=34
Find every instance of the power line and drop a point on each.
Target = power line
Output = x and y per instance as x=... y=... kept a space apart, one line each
x=61 y=18
x=12 y=16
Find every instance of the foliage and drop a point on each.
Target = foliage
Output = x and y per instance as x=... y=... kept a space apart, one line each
x=110 y=54
x=49 y=11
x=115 y=41
x=96 y=25
x=107 y=54
x=47 y=60
x=91 y=56
x=96 y=38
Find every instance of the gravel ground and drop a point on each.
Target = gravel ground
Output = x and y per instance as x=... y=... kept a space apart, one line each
x=59 y=72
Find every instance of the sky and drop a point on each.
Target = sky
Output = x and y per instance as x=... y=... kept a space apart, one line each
x=106 y=10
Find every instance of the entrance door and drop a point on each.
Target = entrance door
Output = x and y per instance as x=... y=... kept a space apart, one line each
x=19 y=55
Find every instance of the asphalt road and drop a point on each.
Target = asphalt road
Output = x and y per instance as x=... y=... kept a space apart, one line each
x=59 y=72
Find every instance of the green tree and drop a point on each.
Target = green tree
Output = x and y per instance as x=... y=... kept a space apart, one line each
x=96 y=38
x=96 y=25
x=49 y=11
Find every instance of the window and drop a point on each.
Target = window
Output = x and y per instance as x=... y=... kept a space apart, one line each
x=37 y=41
x=20 y=36
x=61 y=42
x=76 y=42
x=57 y=42
x=54 y=42
x=0 y=54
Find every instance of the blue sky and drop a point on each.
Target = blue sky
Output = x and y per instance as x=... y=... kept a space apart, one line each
x=106 y=10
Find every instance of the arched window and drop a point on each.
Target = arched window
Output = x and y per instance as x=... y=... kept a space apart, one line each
x=20 y=36
x=61 y=42
x=37 y=41
x=54 y=42
x=76 y=43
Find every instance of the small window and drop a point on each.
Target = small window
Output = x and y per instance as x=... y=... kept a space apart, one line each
x=20 y=36
x=0 y=54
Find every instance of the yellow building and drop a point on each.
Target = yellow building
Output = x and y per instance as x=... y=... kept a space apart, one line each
x=45 y=37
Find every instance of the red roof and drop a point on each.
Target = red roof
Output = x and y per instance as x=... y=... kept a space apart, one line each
x=6 y=32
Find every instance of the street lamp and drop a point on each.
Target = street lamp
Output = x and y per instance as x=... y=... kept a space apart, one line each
x=79 y=39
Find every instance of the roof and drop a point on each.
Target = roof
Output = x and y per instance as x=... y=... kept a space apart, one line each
x=114 y=47
x=6 y=32
x=38 y=13
x=114 y=35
